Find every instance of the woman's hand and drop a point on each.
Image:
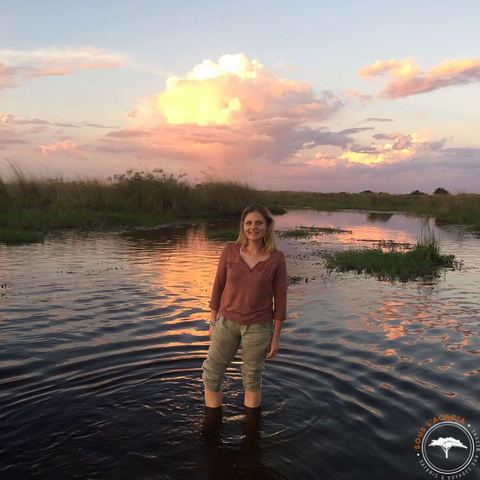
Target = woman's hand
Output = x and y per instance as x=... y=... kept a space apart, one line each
x=210 y=330
x=273 y=348
x=213 y=319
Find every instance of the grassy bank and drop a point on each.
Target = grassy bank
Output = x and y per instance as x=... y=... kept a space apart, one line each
x=31 y=206
x=460 y=209
x=41 y=205
x=423 y=260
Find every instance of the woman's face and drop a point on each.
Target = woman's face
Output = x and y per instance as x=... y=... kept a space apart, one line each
x=254 y=226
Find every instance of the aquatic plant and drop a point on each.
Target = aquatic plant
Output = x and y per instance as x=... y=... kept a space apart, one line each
x=230 y=234
x=16 y=238
x=307 y=232
x=422 y=260
x=294 y=280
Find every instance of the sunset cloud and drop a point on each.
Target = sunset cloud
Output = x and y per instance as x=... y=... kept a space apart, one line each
x=73 y=55
x=8 y=118
x=8 y=137
x=234 y=109
x=18 y=66
x=406 y=78
x=329 y=173
x=397 y=147
x=377 y=119
x=7 y=76
x=65 y=146
x=354 y=94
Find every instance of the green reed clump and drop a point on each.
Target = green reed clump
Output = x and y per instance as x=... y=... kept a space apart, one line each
x=227 y=234
x=155 y=191
x=276 y=210
x=12 y=237
x=225 y=197
x=31 y=192
x=307 y=232
x=460 y=209
x=423 y=260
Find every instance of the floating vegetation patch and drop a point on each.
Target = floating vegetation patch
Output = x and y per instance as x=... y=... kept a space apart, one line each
x=307 y=232
x=391 y=245
x=12 y=237
x=421 y=261
x=276 y=210
x=294 y=280
x=227 y=234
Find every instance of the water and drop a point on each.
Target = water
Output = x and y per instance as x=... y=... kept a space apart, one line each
x=102 y=339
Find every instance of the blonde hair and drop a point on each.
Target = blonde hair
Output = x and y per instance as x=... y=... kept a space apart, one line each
x=269 y=238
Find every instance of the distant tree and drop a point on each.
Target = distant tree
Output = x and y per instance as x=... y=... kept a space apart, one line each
x=441 y=191
x=417 y=192
x=367 y=191
x=447 y=444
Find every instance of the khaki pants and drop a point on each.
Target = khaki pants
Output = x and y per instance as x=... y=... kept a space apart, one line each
x=226 y=339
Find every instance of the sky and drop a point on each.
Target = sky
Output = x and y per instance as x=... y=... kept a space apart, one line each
x=284 y=95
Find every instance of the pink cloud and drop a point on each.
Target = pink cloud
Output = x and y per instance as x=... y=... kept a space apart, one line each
x=19 y=66
x=10 y=119
x=354 y=94
x=392 y=148
x=233 y=110
x=14 y=76
x=8 y=137
x=65 y=146
x=330 y=173
x=406 y=78
x=96 y=66
x=7 y=76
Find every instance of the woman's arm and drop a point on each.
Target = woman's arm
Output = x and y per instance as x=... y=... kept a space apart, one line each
x=220 y=280
x=280 y=306
x=280 y=290
x=217 y=290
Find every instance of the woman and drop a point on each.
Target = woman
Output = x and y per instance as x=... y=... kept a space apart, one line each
x=250 y=290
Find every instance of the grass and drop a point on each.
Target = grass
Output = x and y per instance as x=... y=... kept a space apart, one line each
x=307 y=232
x=44 y=205
x=228 y=234
x=16 y=237
x=422 y=260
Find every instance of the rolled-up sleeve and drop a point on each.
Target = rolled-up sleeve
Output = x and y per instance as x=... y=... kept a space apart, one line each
x=280 y=290
x=220 y=279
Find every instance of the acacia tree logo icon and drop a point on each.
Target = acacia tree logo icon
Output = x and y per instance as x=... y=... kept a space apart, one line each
x=447 y=444
x=458 y=443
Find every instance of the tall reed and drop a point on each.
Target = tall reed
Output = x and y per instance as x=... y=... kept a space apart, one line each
x=141 y=198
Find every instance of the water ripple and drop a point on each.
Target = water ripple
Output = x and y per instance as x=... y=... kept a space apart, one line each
x=103 y=338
